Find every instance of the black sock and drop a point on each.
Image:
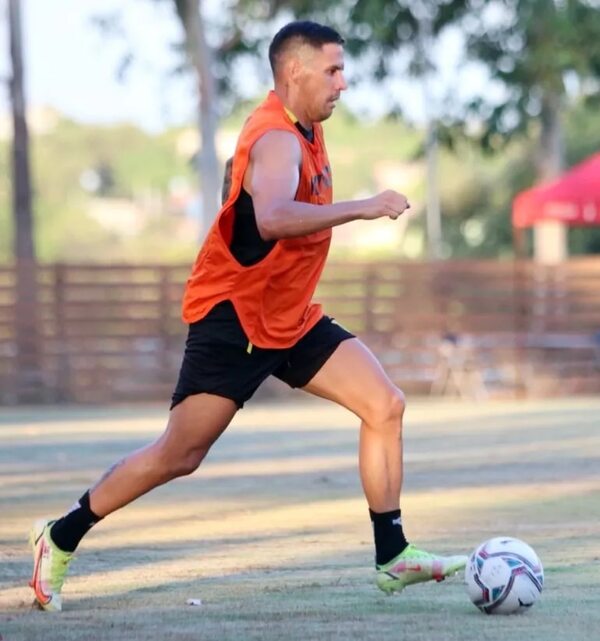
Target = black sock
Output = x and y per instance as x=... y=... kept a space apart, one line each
x=389 y=537
x=71 y=528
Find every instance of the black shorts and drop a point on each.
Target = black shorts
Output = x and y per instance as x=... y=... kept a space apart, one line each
x=217 y=358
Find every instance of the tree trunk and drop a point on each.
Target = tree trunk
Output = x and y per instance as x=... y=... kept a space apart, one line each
x=26 y=312
x=434 y=217
x=201 y=56
x=550 y=237
x=23 y=243
x=551 y=154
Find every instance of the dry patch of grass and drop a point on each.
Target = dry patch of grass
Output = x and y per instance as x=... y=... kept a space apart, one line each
x=272 y=532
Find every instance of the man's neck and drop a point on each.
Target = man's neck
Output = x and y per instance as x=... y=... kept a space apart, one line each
x=293 y=109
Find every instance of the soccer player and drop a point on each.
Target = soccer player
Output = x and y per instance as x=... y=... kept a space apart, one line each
x=250 y=315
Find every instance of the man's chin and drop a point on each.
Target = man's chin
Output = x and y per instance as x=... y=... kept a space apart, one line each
x=327 y=113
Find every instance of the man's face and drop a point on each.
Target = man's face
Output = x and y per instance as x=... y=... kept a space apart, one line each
x=320 y=79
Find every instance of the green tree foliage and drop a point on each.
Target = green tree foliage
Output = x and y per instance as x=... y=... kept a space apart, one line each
x=533 y=48
x=545 y=54
x=479 y=186
x=137 y=163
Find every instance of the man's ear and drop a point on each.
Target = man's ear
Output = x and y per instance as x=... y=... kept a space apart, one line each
x=295 y=68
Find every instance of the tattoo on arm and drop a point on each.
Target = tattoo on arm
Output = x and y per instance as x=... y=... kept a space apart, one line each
x=226 y=181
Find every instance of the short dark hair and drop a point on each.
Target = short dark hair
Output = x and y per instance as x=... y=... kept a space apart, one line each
x=304 y=32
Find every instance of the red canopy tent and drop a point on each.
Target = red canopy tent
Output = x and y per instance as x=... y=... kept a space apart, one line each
x=573 y=199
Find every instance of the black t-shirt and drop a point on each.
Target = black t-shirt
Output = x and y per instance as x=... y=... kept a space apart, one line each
x=246 y=245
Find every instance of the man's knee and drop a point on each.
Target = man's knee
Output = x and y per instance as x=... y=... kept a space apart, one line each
x=179 y=460
x=191 y=432
x=385 y=411
x=192 y=460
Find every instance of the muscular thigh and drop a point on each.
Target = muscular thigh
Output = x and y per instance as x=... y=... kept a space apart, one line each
x=352 y=377
x=197 y=422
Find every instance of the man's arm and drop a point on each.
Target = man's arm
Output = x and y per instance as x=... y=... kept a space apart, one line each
x=272 y=180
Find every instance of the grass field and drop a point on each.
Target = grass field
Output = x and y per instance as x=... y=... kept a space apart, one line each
x=272 y=533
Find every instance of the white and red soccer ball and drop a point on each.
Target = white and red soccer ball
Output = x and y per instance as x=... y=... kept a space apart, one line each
x=504 y=576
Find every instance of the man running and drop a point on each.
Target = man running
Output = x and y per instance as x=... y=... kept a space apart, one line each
x=250 y=315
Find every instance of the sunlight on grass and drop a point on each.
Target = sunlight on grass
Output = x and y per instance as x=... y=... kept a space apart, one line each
x=273 y=533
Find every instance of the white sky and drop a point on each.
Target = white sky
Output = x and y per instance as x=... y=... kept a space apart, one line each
x=70 y=66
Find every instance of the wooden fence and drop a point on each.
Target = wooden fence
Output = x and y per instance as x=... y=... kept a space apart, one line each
x=112 y=333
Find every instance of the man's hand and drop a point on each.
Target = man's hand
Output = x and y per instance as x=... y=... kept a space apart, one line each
x=388 y=203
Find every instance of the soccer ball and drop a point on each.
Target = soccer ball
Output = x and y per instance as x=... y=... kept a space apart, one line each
x=504 y=576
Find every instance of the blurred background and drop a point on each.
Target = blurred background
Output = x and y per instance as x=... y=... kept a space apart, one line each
x=117 y=119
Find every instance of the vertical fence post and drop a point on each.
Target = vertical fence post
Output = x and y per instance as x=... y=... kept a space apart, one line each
x=370 y=300
x=27 y=320
x=163 y=314
x=521 y=283
x=63 y=390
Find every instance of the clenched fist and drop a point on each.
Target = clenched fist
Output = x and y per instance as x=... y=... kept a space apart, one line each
x=388 y=203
